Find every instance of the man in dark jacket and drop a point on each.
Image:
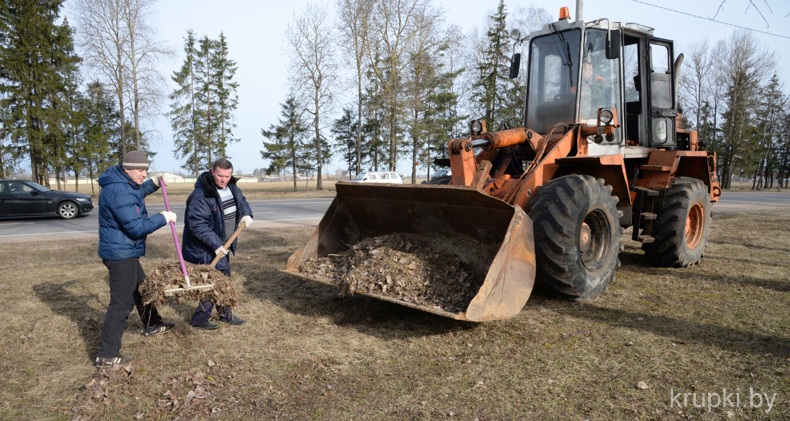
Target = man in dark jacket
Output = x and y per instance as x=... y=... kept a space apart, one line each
x=214 y=210
x=123 y=227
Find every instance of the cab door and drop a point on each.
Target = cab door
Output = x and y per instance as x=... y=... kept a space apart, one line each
x=662 y=109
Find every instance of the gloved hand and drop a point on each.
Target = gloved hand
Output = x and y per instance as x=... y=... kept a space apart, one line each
x=169 y=216
x=221 y=251
x=247 y=220
x=155 y=179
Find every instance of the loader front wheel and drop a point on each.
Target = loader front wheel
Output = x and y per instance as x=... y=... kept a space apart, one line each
x=577 y=235
x=682 y=226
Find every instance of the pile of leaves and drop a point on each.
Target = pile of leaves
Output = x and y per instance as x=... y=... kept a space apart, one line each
x=168 y=276
x=416 y=269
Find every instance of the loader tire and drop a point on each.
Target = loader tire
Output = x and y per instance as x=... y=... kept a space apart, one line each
x=577 y=235
x=682 y=225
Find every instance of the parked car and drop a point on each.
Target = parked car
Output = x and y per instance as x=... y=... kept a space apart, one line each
x=442 y=176
x=390 y=177
x=22 y=198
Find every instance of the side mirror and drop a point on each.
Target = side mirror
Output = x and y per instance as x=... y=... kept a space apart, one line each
x=613 y=43
x=515 y=65
x=515 y=35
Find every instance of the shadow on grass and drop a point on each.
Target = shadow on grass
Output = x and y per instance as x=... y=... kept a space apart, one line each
x=682 y=330
x=77 y=308
x=89 y=320
x=379 y=318
x=637 y=263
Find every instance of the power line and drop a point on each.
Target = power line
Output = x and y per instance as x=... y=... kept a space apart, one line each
x=712 y=20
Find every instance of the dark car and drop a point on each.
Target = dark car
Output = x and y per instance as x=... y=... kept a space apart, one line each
x=442 y=176
x=22 y=198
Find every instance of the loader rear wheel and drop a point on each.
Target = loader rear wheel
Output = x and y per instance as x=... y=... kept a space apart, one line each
x=682 y=226
x=577 y=235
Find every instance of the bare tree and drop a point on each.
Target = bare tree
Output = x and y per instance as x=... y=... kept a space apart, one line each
x=745 y=68
x=354 y=30
x=103 y=36
x=395 y=24
x=696 y=84
x=314 y=71
x=119 y=46
x=143 y=52
x=421 y=80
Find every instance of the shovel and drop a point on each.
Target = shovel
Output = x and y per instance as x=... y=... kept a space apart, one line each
x=189 y=287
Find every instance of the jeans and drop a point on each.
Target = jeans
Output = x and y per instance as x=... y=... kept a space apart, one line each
x=125 y=279
x=205 y=307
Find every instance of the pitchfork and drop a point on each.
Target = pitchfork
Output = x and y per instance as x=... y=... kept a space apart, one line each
x=189 y=287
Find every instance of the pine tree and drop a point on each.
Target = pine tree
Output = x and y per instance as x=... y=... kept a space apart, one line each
x=227 y=99
x=99 y=131
x=769 y=114
x=345 y=131
x=206 y=94
x=492 y=86
x=442 y=105
x=36 y=57
x=288 y=147
x=202 y=106
x=184 y=115
x=432 y=102
x=64 y=108
x=374 y=148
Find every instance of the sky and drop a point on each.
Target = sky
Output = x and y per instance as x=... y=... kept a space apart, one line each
x=255 y=34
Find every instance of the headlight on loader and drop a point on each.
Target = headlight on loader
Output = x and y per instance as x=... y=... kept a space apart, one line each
x=477 y=127
x=606 y=117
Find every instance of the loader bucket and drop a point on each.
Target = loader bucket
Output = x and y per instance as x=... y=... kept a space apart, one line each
x=492 y=239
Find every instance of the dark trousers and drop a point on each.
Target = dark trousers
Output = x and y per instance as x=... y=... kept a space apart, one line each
x=205 y=307
x=125 y=279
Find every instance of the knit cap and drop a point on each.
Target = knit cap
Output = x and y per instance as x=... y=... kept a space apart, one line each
x=135 y=160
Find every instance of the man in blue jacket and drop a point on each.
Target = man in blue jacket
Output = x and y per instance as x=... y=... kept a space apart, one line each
x=123 y=226
x=214 y=210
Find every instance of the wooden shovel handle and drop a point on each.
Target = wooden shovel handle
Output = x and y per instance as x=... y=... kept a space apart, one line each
x=228 y=243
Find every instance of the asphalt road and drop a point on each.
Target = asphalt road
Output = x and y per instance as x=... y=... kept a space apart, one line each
x=308 y=212
x=268 y=213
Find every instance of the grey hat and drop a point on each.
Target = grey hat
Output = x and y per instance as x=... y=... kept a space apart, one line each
x=135 y=160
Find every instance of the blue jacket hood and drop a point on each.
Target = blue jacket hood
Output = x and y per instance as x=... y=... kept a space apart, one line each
x=116 y=174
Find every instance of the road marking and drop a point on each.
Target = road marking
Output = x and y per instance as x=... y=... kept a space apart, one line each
x=50 y=233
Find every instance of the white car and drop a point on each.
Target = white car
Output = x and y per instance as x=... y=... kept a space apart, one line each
x=389 y=177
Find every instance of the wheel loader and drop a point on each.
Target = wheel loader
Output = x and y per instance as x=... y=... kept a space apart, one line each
x=601 y=150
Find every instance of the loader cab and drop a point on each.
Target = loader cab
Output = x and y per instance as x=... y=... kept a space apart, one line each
x=575 y=68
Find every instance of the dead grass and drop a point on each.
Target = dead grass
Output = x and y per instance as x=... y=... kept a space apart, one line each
x=307 y=354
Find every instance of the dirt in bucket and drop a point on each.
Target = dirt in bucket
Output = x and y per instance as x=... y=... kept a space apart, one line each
x=440 y=274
